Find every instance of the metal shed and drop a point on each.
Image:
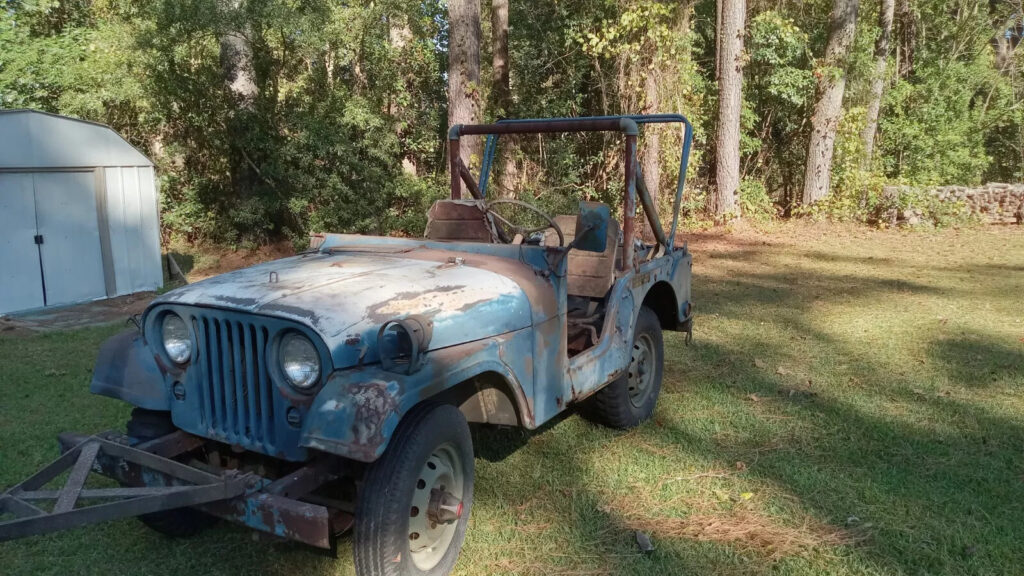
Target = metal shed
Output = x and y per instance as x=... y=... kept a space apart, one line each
x=78 y=213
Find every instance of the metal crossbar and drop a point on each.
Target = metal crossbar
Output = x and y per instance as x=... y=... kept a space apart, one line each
x=186 y=486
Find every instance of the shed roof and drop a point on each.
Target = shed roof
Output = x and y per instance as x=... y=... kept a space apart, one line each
x=32 y=139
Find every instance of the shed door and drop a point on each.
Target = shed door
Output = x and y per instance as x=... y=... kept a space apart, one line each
x=20 y=284
x=67 y=220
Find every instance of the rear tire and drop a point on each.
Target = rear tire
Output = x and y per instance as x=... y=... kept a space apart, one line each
x=630 y=399
x=146 y=425
x=394 y=530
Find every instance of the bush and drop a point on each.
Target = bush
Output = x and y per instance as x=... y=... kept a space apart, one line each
x=755 y=204
x=917 y=207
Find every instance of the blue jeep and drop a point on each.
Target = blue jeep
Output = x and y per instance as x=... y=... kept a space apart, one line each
x=334 y=388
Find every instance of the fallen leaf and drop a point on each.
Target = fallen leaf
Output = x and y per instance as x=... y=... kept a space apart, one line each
x=760 y=363
x=747 y=495
x=741 y=465
x=782 y=371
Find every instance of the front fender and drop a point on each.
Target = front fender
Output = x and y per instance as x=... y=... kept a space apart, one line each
x=357 y=411
x=126 y=369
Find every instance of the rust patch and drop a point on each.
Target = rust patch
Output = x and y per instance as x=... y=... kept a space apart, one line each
x=425 y=302
x=539 y=291
x=373 y=402
x=309 y=316
x=236 y=301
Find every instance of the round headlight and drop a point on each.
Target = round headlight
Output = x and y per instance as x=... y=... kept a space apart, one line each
x=177 y=343
x=300 y=361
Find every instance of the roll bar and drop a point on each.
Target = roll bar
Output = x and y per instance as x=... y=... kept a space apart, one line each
x=628 y=125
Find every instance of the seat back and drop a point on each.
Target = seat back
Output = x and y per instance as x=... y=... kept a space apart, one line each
x=589 y=274
x=459 y=220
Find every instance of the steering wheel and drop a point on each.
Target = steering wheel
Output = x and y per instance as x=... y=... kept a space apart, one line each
x=521 y=229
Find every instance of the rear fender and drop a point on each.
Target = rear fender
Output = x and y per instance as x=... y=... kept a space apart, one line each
x=357 y=411
x=126 y=369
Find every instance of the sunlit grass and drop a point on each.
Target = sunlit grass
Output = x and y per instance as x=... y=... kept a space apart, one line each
x=853 y=404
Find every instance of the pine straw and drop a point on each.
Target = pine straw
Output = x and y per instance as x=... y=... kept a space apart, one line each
x=742 y=527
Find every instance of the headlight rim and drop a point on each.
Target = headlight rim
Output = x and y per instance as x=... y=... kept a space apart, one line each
x=279 y=360
x=189 y=339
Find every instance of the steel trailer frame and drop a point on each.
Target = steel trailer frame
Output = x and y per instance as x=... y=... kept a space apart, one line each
x=152 y=481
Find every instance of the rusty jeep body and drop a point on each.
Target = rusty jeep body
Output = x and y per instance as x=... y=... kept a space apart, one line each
x=332 y=388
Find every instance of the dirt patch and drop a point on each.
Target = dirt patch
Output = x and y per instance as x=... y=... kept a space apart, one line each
x=742 y=527
x=96 y=313
x=203 y=261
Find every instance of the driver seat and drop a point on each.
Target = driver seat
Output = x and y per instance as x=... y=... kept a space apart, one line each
x=458 y=220
x=588 y=274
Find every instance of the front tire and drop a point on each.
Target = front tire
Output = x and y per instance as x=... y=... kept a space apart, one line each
x=629 y=400
x=412 y=514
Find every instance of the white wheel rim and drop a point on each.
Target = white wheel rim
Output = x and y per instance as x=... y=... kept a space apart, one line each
x=428 y=540
x=642 y=365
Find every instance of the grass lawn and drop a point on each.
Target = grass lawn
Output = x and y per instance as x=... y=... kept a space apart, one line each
x=853 y=404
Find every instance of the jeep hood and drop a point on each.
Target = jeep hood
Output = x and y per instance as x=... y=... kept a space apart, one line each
x=347 y=296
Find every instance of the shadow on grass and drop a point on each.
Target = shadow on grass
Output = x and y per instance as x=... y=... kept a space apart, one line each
x=923 y=481
x=974 y=360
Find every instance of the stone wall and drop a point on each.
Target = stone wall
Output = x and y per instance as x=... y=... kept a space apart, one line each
x=992 y=202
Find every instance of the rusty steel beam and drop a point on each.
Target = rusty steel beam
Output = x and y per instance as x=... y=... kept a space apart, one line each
x=454 y=162
x=467 y=177
x=76 y=480
x=182 y=486
x=626 y=125
x=650 y=209
x=548 y=126
x=629 y=202
x=273 y=509
x=173 y=497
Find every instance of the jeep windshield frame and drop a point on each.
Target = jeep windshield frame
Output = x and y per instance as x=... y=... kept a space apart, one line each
x=628 y=125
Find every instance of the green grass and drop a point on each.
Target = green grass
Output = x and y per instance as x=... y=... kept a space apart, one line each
x=853 y=404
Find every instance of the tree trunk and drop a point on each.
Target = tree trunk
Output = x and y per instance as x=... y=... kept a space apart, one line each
x=907 y=39
x=464 y=71
x=1005 y=22
x=501 y=90
x=238 y=74
x=730 y=102
x=652 y=143
x=400 y=36
x=828 y=109
x=885 y=14
x=501 y=95
x=237 y=64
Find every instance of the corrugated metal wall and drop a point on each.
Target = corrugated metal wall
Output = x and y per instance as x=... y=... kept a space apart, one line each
x=132 y=207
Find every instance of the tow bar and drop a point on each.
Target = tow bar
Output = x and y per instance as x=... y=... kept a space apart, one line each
x=152 y=482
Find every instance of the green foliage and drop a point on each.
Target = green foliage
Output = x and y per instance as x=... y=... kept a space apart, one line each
x=931 y=126
x=779 y=88
x=346 y=127
x=755 y=203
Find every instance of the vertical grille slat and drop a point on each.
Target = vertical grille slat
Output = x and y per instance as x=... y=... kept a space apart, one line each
x=215 y=377
x=227 y=386
x=252 y=392
x=265 y=391
x=236 y=398
x=238 y=370
x=204 y=355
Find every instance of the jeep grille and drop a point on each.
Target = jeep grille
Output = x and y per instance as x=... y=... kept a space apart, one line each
x=237 y=402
